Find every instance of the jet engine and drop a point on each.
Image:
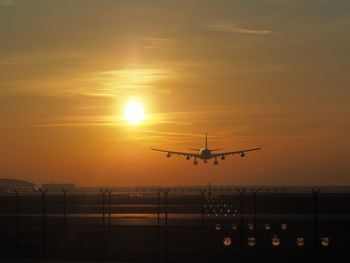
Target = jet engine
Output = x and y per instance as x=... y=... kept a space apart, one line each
x=168 y=155
x=242 y=154
x=188 y=157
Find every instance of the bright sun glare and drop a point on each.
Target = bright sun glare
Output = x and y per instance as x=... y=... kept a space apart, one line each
x=134 y=112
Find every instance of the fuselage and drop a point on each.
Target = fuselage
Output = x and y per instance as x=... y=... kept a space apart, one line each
x=205 y=154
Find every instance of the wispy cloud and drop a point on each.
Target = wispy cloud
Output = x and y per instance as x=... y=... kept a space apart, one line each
x=106 y=83
x=8 y=2
x=175 y=118
x=229 y=27
x=124 y=81
x=157 y=42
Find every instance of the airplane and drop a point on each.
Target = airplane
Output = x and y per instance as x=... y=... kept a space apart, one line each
x=206 y=154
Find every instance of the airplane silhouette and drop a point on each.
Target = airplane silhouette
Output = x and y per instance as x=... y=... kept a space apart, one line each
x=206 y=154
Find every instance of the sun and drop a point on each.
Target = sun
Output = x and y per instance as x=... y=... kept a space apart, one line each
x=134 y=112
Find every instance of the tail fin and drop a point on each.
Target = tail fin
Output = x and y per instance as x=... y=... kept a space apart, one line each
x=206 y=141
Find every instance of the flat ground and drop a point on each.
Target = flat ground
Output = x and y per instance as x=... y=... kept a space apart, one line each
x=132 y=234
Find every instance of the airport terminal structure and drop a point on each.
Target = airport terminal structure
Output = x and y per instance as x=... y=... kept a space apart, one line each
x=13 y=184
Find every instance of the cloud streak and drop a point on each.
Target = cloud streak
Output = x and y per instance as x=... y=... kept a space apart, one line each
x=228 y=27
x=8 y=2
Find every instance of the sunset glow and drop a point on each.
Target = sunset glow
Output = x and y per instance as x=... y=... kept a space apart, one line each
x=88 y=87
x=134 y=112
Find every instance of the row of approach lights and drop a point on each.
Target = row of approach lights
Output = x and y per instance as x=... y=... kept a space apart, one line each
x=276 y=241
x=217 y=206
x=251 y=226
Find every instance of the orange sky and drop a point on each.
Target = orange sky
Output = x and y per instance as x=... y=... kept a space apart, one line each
x=264 y=73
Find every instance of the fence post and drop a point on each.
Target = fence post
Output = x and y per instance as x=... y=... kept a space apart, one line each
x=241 y=192
x=159 y=190
x=166 y=192
x=103 y=196
x=315 y=194
x=203 y=192
x=17 y=191
x=64 y=208
x=43 y=193
x=109 y=205
x=255 y=192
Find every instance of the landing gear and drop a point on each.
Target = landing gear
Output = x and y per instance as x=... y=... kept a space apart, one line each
x=216 y=162
x=195 y=162
x=205 y=161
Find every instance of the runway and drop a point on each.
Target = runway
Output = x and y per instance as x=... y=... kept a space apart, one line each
x=192 y=227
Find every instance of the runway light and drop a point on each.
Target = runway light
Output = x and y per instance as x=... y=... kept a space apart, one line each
x=250 y=226
x=218 y=227
x=234 y=227
x=227 y=241
x=284 y=226
x=325 y=241
x=276 y=241
x=300 y=241
x=267 y=226
x=251 y=241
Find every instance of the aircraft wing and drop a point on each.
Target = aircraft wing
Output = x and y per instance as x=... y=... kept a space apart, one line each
x=235 y=152
x=177 y=153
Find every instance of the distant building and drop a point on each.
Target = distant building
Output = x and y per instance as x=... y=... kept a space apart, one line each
x=58 y=187
x=13 y=184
